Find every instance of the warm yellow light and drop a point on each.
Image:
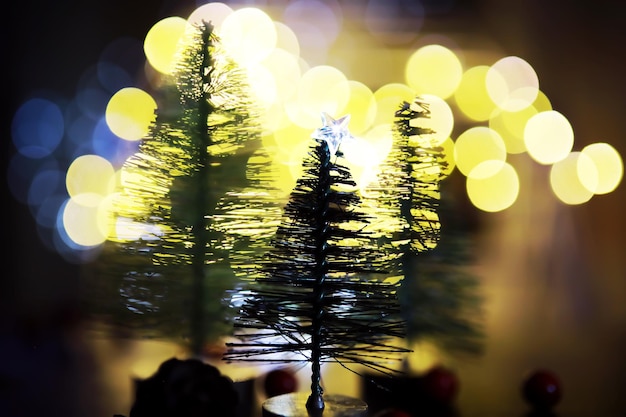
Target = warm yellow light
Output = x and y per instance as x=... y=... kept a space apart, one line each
x=249 y=35
x=511 y=124
x=440 y=121
x=388 y=98
x=476 y=145
x=434 y=69
x=572 y=177
x=512 y=83
x=214 y=13
x=130 y=112
x=286 y=39
x=90 y=174
x=161 y=43
x=472 y=97
x=81 y=220
x=608 y=164
x=548 y=137
x=491 y=191
x=321 y=89
x=361 y=107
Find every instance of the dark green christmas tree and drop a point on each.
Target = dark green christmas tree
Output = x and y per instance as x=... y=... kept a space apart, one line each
x=439 y=297
x=325 y=295
x=196 y=191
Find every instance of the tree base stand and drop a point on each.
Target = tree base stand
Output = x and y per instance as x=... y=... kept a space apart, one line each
x=294 y=405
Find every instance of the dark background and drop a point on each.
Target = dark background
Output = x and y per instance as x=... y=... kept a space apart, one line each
x=577 y=49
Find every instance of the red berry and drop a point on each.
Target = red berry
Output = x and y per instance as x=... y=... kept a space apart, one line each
x=542 y=389
x=280 y=381
x=441 y=385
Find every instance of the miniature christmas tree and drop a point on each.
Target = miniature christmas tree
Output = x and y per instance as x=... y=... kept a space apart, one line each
x=326 y=294
x=195 y=192
x=439 y=296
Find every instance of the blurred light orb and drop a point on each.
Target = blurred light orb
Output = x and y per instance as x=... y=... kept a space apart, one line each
x=572 y=178
x=434 y=69
x=440 y=120
x=512 y=83
x=249 y=35
x=477 y=145
x=286 y=71
x=472 y=96
x=80 y=220
x=511 y=124
x=37 y=128
x=89 y=174
x=361 y=106
x=321 y=89
x=130 y=113
x=493 y=186
x=389 y=98
x=161 y=43
x=548 y=137
x=286 y=39
x=214 y=13
x=608 y=164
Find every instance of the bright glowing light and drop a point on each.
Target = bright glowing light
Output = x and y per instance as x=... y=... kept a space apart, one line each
x=512 y=83
x=321 y=89
x=362 y=106
x=286 y=39
x=249 y=35
x=608 y=164
x=333 y=131
x=567 y=176
x=214 y=13
x=161 y=43
x=476 y=145
x=81 y=220
x=548 y=137
x=286 y=72
x=472 y=97
x=89 y=174
x=388 y=98
x=130 y=112
x=434 y=69
x=511 y=125
x=493 y=186
x=441 y=120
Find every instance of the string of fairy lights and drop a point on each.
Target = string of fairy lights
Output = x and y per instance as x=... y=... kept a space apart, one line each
x=70 y=152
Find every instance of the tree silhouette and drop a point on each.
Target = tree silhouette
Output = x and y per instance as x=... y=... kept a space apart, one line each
x=193 y=195
x=325 y=295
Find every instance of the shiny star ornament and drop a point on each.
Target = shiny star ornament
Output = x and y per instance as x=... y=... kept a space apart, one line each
x=333 y=131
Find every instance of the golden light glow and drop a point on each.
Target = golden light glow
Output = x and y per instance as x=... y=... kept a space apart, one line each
x=161 y=43
x=548 y=137
x=361 y=107
x=215 y=13
x=434 y=69
x=608 y=164
x=476 y=145
x=130 y=112
x=249 y=35
x=388 y=98
x=512 y=83
x=511 y=124
x=321 y=89
x=567 y=176
x=441 y=119
x=493 y=192
x=90 y=174
x=81 y=220
x=472 y=97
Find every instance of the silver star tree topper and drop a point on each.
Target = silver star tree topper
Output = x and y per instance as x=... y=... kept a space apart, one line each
x=333 y=131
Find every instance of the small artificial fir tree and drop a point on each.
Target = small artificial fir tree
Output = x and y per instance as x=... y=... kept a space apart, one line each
x=439 y=297
x=195 y=191
x=325 y=293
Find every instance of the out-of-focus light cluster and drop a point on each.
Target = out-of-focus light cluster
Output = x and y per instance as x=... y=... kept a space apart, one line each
x=99 y=128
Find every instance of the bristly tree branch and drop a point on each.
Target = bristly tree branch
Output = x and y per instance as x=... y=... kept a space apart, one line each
x=325 y=296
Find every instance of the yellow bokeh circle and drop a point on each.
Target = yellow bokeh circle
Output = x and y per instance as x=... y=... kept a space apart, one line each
x=130 y=112
x=162 y=41
x=434 y=69
x=493 y=186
